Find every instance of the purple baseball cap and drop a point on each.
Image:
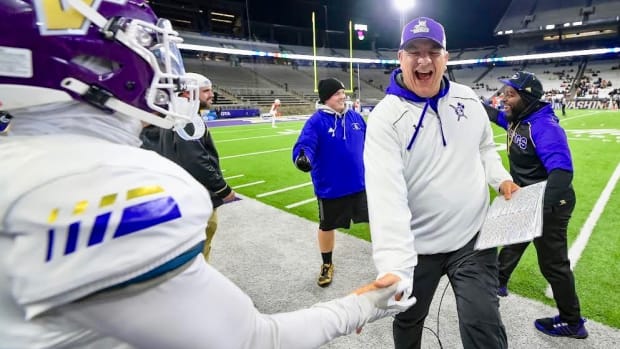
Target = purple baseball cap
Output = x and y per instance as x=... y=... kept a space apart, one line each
x=423 y=28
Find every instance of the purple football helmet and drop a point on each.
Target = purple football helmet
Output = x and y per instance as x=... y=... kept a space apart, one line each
x=113 y=54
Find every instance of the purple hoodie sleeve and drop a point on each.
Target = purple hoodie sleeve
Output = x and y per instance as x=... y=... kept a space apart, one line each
x=551 y=145
x=501 y=120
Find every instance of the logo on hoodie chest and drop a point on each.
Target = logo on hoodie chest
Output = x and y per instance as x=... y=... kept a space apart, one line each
x=517 y=139
x=459 y=109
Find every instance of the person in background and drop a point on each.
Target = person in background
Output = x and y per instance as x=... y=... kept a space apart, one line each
x=537 y=151
x=564 y=101
x=100 y=240
x=348 y=103
x=330 y=147
x=198 y=157
x=274 y=112
x=430 y=159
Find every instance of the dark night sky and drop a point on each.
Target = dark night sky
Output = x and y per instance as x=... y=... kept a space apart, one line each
x=468 y=23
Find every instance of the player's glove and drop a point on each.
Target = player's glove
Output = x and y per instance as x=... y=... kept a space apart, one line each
x=302 y=162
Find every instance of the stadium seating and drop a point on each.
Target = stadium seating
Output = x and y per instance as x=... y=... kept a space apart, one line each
x=257 y=80
x=604 y=9
x=514 y=17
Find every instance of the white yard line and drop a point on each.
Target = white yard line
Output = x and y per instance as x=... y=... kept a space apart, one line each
x=236 y=176
x=248 y=184
x=580 y=116
x=283 y=190
x=300 y=203
x=258 y=137
x=255 y=153
x=222 y=129
x=576 y=249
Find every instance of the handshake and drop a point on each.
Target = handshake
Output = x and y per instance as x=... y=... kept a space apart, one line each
x=302 y=162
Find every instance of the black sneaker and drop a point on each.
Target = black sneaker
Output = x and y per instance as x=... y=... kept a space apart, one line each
x=327 y=272
x=554 y=326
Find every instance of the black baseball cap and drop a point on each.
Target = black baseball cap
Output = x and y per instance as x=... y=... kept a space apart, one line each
x=525 y=82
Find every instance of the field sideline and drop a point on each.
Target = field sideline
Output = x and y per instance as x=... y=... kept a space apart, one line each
x=257 y=162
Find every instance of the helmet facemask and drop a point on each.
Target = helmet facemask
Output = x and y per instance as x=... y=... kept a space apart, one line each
x=144 y=86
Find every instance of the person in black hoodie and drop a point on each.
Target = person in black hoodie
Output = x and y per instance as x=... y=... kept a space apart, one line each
x=198 y=157
x=538 y=151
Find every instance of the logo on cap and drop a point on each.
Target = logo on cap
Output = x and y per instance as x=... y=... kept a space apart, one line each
x=420 y=27
x=423 y=28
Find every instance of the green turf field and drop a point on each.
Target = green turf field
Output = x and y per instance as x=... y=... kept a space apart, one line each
x=257 y=162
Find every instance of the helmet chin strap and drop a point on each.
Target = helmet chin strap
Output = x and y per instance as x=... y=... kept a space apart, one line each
x=119 y=106
x=199 y=128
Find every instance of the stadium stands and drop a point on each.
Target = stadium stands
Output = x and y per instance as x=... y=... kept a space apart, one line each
x=515 y=16
x=476 y=53
x=557 y=12
x=604 y=10
x=258 y=80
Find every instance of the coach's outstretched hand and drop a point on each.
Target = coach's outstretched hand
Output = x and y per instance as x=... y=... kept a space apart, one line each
x=302 y=162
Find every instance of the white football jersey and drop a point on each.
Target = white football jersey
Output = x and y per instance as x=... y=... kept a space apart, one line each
x=79 y=215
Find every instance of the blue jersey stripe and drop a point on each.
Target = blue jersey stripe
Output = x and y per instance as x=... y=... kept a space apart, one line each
x=147 y=214
x=98 y=232
x=50 y=244
x=74 y=233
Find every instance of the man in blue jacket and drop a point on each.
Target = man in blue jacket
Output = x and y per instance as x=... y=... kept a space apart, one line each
x=331 y=147
x=538 y=150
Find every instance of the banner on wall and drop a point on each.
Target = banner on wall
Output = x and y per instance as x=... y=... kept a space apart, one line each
x=590 y=103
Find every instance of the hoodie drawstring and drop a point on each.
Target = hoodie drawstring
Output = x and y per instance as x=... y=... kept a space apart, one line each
x=419 y=125
x=343 y=124
x=443 y=137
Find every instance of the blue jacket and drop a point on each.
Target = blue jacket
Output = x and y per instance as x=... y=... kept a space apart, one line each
x=334 y=144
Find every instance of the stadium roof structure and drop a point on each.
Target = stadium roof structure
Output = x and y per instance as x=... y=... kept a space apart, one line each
x=561 y=20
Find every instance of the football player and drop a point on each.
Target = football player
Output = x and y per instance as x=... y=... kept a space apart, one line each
x=100 y=241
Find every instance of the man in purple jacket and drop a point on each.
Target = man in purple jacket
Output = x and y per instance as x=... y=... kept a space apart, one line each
x=538 y=151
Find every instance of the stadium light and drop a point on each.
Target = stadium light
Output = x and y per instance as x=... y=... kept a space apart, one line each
x=361 y=30
x=403 y=6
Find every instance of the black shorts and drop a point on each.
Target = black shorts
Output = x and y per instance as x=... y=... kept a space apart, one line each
x=339 y=212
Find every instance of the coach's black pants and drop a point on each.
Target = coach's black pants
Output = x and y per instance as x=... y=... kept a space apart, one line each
x=552 y=251
x=473 y=276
